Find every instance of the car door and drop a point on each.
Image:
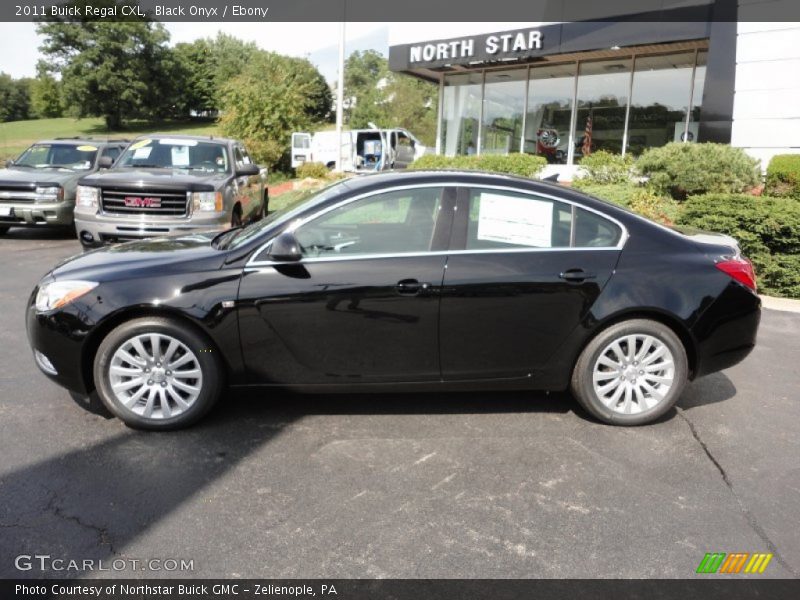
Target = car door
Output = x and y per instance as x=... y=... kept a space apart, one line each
x=301 y=148
x=362 y=305
x=523 y=271
x=404 y=151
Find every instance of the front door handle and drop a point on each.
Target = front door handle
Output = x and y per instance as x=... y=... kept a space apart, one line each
x=576 y=275
x=411 y=287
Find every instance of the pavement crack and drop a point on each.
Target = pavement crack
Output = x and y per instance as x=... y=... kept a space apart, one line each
x=751 y=519
x=102 y=532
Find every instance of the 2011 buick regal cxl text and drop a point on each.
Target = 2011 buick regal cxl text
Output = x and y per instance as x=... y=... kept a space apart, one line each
x=415 y=281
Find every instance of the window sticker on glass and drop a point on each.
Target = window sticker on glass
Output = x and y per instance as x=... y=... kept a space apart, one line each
x=180 y=156
x=142 y=152
x=140 y=144
x=520 y=221
x=176 y=142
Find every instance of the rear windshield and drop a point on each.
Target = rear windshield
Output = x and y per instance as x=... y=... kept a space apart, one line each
x=78 y=157
x=167 y=153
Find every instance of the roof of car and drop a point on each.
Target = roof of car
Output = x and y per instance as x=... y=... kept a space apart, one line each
x=399 y=177
x=198 y=138
x=82 y=140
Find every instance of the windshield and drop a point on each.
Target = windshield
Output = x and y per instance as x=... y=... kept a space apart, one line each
x=78 y=157
x=166 y=153
x=289 y=205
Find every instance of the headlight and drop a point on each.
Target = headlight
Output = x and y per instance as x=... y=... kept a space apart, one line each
x=87 y=197
x=60 y=293
x=53 y=192
x=206 y=201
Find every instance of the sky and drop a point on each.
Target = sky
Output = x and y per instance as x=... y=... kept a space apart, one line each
x=316 y=41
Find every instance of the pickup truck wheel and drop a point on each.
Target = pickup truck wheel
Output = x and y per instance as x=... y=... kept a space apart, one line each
x=4 y=230
x=154 y=373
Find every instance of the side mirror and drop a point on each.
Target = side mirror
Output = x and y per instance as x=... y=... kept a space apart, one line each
x=285 y=248
x=105 y=162
x=9 y=164
x=247 y=170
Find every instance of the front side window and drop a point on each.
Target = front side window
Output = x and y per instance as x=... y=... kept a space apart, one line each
x=395 y=222
x=500 y=219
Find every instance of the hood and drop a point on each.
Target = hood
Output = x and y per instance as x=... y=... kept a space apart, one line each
x=179 y=179
x=23 y=177
x=156 y=256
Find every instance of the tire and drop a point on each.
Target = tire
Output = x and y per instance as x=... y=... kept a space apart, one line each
x=125 y=356
x=4 y=229
x=632 y=388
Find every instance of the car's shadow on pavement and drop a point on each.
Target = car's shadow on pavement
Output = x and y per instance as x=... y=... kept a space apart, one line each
x=40 y=234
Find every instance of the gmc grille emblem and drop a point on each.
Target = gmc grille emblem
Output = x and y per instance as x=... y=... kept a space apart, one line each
x=137 y=202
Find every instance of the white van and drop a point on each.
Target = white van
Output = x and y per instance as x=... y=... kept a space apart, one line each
x=362 y=150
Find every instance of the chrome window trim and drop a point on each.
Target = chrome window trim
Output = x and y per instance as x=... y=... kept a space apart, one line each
x=253 y=264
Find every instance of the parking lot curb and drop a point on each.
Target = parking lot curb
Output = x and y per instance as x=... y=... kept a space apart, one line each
x=784 y=304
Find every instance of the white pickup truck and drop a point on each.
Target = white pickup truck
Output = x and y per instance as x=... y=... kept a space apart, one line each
x=362 y=150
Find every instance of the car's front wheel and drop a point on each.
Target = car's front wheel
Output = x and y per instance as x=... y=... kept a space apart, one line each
x=631 y=373
x=154 y=373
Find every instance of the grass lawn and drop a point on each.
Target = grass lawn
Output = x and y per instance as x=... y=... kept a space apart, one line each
x=16 y=136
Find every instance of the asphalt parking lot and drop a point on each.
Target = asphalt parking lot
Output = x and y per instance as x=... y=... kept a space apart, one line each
x=487 y=485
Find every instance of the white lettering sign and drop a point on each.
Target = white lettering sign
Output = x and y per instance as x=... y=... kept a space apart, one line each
x=464 y=49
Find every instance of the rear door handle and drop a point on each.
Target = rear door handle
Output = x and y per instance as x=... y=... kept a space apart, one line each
x=411 y=287
x=576 y=275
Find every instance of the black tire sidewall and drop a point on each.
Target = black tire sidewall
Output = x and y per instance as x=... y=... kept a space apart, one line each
x=583 y=389
x=202 y=349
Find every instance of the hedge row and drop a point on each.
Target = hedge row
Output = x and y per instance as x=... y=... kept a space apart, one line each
x=524 y=165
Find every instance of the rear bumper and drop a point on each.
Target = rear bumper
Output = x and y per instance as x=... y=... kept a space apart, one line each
x=38 y=214
x=726 y=332
x=100 y=228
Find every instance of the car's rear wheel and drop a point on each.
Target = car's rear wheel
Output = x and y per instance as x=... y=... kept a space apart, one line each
x=4 y=230
x=154 y=373
x=631 y=373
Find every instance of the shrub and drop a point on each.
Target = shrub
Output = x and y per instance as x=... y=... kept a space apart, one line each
x=684 y=169
x=783 y=176
x=617 y=193
x=605 y=167
x=767 y=229
x=654 y=207
x=524 y=165
x=314 y=170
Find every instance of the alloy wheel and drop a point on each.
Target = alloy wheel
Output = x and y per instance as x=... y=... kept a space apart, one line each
x=155 y=376
x=633 y=373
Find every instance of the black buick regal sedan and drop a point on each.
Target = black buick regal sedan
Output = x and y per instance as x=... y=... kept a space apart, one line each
x=415 y=281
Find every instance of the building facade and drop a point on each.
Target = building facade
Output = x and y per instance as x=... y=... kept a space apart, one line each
x=563 y=90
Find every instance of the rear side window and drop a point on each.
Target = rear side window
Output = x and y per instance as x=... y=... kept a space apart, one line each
x=593 y=231
x=503 y=219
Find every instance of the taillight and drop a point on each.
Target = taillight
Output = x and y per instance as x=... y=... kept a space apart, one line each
x=740 y=269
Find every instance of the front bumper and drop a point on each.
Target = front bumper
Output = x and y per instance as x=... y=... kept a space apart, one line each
x=36 y=214
x=104 y=228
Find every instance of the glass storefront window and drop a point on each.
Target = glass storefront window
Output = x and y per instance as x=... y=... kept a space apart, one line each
x=461 y=113
x=601 y=106
x=503 y=107
x=547 y=124
x=697 y=95
x=659 y=100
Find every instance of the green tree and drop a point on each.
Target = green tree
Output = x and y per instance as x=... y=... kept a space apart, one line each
x=413 y=105
x=15 y=102
x=265 y=104
x=46 y=100
x=115 y=69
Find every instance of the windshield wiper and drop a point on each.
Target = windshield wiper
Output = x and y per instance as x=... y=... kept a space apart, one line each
x=56 y=167
x=144 y=166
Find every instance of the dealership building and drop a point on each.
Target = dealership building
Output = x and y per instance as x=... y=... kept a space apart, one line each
x=701 y=72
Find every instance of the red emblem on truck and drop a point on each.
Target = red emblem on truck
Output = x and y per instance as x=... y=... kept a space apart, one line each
x=137 y=202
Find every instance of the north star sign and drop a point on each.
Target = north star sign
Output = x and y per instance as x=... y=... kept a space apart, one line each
x=494 y=45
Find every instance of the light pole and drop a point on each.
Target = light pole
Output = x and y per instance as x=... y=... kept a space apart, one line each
x=340 y=100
